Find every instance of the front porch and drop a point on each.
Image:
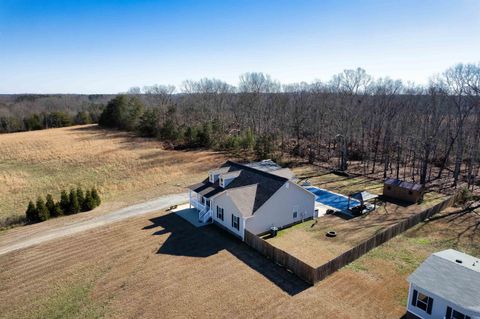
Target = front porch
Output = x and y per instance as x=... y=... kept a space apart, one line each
x=190 y=214
x=202 y=205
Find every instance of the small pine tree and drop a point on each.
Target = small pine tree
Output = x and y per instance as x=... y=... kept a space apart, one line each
x=74 y=207
x=248 y=141
x=31 y=213
x=50 y=205
x=80 y=197
x=64 y=202
x=89 y=202
x=42 y=210
x=96 y=198
x=58 y=210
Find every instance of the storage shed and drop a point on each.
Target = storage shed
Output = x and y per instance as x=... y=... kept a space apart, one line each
x=405 y=191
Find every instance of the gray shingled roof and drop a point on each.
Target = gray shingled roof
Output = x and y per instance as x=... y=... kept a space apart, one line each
x=456 y=282
x=403 y=184
x=266 y=183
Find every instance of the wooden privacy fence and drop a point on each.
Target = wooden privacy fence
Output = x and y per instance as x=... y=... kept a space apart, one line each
x=313 y=275
x=278 y=256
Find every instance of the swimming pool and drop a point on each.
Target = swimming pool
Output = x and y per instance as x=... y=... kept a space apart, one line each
x=336 y=201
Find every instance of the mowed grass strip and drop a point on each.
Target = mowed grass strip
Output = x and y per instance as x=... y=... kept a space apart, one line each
x=125 y=168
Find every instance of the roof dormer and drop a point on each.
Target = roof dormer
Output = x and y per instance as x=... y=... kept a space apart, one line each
x=227 y=178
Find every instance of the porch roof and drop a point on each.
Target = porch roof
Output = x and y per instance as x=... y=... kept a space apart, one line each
x=206 y=189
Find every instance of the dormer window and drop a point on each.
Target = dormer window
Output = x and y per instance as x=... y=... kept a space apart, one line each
x=222 y=183
x=213 y=177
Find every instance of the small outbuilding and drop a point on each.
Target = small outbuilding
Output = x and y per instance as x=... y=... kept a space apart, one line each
x=402 y=190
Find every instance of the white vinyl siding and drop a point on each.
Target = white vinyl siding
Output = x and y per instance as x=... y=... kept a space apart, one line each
x=228 y=208
x=439 y=305
x=279 y=210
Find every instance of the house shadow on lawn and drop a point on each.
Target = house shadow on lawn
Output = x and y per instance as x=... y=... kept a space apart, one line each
x=187 y=240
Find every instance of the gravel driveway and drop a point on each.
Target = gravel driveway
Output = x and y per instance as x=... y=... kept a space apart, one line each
x=28 y=240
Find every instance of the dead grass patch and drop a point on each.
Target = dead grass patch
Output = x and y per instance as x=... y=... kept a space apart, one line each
x=124 y=168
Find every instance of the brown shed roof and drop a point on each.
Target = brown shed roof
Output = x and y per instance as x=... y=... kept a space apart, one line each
x=403 y=184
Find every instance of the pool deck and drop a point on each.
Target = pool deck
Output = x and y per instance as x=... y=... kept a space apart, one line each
x=325 y=205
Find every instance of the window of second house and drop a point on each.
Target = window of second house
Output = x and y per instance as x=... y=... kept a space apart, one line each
x=220 y=213
x=422 y=301
x=454 y=314
x=236 y=222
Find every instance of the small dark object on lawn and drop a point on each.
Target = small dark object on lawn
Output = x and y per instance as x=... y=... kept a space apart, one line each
x=314 y=224
x=171 y=208
x=331 y=233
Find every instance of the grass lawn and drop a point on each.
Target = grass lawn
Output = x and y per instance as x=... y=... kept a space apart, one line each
x=307 y=241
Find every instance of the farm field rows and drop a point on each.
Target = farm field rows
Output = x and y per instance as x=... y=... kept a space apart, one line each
x=126 y=169
x=158 y=265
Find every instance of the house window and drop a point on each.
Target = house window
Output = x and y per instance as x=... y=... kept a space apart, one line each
x=422 y=301
x=389 y=187
x=220 y=213
x=295 y=211
x=236 y=222
x=410 y=193
x=454 y=314
x=221 y=182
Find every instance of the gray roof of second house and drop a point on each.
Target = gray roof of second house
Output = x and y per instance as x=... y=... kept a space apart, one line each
x=451 y=275
x=266 y=184
x=403 y=184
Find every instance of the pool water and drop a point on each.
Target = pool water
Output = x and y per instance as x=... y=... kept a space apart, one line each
x=333 y=200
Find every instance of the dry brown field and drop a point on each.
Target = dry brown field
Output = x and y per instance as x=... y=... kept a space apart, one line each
x=160 y=266
x=126 y=169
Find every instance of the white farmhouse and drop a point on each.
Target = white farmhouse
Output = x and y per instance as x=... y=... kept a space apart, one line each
x=446 y=285
x=254 y=197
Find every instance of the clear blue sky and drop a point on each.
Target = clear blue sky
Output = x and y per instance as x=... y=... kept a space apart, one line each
x=108 y=46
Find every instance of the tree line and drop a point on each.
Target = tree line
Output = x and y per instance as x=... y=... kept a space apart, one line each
x=70 y=203
x=351 y=122
x=40 y=121
x=28 y=112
